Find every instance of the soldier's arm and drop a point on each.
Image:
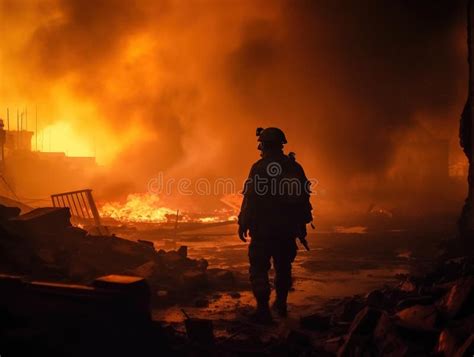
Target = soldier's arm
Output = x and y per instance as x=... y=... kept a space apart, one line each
x=247 y=207
x=306 y=208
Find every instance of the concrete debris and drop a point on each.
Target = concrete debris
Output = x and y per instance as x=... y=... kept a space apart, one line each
x=348 y=310
x=146 y=242
x=44 y=245
x=431 y=314
x=448 y=343
x=459 y=300
x=419 y=317
x=387 y=340
x=146 y=270
x=408 y=286
x=46 y=219
x=332 y=345
x=467 y=349
x=7 y=213
x=183 y=251
x=418 y=300
x=109 y=317
x=357 y=340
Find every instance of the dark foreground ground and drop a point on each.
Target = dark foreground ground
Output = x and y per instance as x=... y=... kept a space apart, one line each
x=343 y=262
x=360 y=291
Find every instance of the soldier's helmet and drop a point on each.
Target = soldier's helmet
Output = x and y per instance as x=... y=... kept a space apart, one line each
x=275 y=135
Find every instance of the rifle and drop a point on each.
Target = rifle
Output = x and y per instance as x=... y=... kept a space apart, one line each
x=304 y=242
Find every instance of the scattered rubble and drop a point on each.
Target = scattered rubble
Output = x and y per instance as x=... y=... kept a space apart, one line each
x=43 y=244
x=431 y=314
x=425 y=315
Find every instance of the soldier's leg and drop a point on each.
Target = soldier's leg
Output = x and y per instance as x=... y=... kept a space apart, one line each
x=259 y=257
x=284 y=254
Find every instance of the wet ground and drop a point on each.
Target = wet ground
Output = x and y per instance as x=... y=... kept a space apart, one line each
x=342 y=262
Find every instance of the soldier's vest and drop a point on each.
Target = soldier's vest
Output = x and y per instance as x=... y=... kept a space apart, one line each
x=280 y=207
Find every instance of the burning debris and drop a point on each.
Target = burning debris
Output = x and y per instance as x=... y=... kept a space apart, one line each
x=138 y=208
x=148 y=208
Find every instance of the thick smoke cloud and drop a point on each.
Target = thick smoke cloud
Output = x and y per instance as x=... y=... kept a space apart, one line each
x=345 y=79
x=361 y=71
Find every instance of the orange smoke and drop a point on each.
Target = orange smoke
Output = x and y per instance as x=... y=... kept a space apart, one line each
x=151 y=86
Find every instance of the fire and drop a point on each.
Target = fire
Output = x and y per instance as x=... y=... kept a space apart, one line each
x=61 y=137
x=148 y=208
x=138 y=208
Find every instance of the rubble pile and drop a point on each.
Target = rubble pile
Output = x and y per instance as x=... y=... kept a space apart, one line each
x=428 y=315
x=42 y=244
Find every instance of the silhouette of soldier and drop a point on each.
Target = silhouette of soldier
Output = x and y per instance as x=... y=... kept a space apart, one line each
x=274 y=212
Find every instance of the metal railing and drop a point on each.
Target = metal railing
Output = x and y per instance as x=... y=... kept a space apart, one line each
x=82 y=206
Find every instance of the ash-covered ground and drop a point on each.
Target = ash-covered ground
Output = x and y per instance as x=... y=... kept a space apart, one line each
x=372 y=288
x=343 y=261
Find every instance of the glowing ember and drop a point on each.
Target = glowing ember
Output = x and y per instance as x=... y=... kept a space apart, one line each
x=208 y=219
x=138 y=208
x=351 y=230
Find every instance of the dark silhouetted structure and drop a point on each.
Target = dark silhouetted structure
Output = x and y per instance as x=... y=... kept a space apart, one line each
x=466 y=221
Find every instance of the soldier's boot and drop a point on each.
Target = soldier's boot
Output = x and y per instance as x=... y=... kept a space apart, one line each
x=279 y=305
x=262 y=314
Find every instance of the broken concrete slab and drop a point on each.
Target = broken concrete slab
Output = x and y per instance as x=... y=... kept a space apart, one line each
x=408 y=285
x=459 y=301
x=172 y=258
x=358 y=340
x=332 y=345
x=7 y=213
x=146 y=270
x=467 y=349
x=133 y=288
x=418 y=300
x=454 y=335
x=347 y=309
x=448 y=343
x=365 y=321
x=418 y=317
x=146 y=243
x=387 y=339
x=45 y=219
